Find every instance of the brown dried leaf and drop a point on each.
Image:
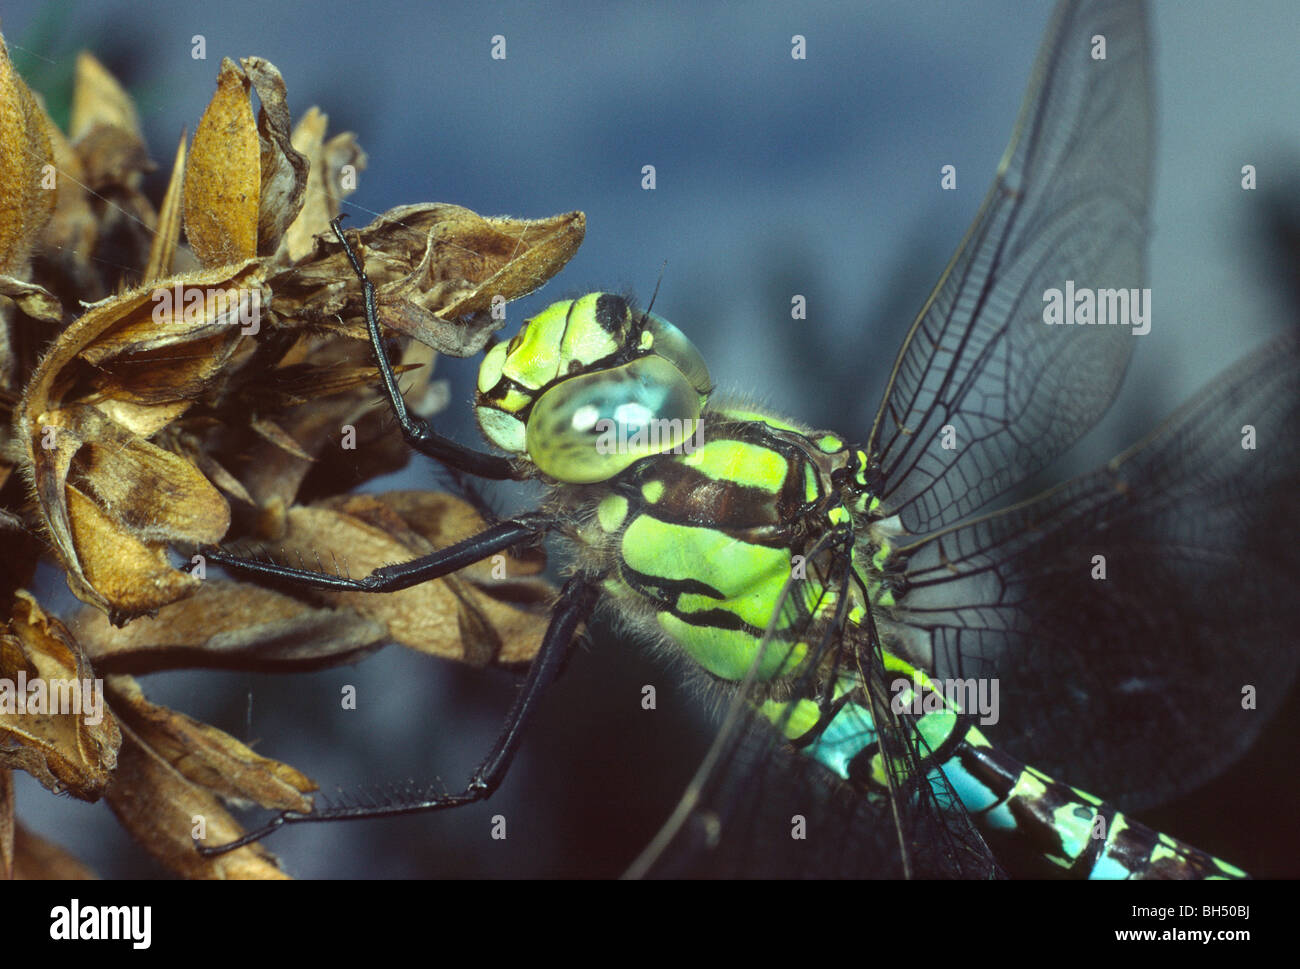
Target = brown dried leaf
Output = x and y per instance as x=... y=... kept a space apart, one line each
x=70 y=235
x=283 y=169
x=327 y=184
x=469 y=261
x=36 y=301
x=270 y=431
x=207 y=756
x=230 y=625
x=113 y=157
x=27 y=194
x=422 y=617
x=216 y=472
x=97 y=99
x=112 y=502
x=443 y=519
x=400 y=311
x=117 y=468
x=273 y=474
x=423 y=395
x=113 y=569
x=105 y=129
x=144 y=420
x=356 y=534
x=161 y=808
x=61 y=750
x=162 y=252
x=155 y=344
x=223 y=176
x=139 y=361
x=308 y=140
x=436 y=269
x=476 y=258
x=343 y=160
x=36 y=859
x=310 y=382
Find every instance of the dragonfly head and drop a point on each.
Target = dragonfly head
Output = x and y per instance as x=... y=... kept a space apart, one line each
x=589 y=386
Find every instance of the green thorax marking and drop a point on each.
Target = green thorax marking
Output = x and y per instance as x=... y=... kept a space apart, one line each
x=708 y=541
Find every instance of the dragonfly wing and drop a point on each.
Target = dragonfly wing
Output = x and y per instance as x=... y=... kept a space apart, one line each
x=769 y=812
x=1070 y=202
x=1140 y=619
x=759 y=809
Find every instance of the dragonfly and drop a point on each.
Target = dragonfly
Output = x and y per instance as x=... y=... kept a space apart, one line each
x=807 y=576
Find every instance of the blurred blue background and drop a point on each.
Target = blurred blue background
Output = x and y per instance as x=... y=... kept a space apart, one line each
x=774 y=176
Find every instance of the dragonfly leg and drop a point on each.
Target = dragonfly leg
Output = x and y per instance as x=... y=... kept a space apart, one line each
x=417 y=432
x=575 y=603
x=393 y=578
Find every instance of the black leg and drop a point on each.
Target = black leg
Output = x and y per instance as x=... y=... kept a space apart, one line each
x=394 y=578
x=417 y=432
x=575 y=604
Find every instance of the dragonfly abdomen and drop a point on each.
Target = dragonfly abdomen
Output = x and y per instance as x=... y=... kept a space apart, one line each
x=1075 y=834
x=1042 y=827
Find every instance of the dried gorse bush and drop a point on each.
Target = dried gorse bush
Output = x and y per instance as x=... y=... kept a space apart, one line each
x=200 y=373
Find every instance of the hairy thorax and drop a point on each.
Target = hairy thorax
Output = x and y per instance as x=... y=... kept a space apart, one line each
x=709 y=548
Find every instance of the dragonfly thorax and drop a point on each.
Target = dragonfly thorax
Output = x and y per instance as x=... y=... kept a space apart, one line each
x=590 y=386
x=703 y=550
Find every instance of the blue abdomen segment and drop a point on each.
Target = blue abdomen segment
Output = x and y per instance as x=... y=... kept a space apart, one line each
x=1046 y=828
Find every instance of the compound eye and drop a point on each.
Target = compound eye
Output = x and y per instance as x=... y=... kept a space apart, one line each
x=675 y=347
x=591 y=427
